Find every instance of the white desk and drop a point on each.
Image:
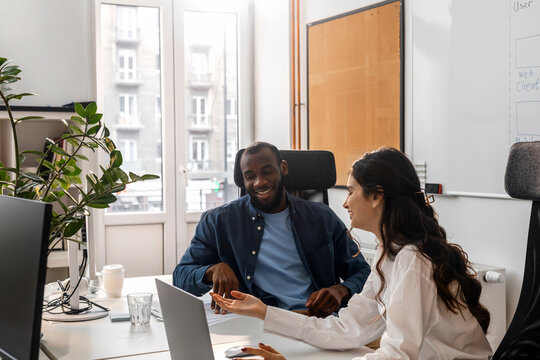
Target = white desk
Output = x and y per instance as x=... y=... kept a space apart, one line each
x=102 y=339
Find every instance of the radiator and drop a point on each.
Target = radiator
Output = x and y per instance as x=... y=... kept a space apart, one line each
x=493 y=296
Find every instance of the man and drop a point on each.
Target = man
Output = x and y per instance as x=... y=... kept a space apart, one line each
x=287 y=251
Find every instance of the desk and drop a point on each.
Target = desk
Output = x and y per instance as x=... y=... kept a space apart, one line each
x=102 y=339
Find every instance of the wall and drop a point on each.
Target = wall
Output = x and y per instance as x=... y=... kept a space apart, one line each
x=272 y=72
x=492 y=231
x=52 y=43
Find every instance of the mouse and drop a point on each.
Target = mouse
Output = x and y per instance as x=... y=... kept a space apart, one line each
x=236 y=351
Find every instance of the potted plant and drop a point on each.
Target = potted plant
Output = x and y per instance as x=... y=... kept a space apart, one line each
x=60 y=180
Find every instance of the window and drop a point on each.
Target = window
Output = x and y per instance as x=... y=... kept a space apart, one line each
x=126 y=64
x=199 y=111
x=128 y=109
x=199 y=63
x=199 y=149
x=230 y=107
x=158 y=109
x=137 y=107
x=232 y=148
x=128 y=149
x=210 y=39
x=126 y=22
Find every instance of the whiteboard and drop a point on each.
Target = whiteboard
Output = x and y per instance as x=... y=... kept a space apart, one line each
x=475 y=88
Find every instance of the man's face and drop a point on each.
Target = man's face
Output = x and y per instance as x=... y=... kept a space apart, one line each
x=263 y=179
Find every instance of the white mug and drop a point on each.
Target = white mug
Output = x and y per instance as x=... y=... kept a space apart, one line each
x=113 y=279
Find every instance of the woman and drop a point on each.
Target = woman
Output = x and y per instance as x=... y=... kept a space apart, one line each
x=422 y=296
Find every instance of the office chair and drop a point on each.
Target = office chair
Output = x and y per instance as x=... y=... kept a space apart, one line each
x=522 y=181
x=310 y=172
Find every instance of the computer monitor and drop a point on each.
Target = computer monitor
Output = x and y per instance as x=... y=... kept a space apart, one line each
x=24 y=234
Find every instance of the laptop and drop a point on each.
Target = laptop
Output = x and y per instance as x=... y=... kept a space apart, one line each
x=185 y=324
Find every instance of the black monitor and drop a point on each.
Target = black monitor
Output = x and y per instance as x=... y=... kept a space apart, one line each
x=24 y=234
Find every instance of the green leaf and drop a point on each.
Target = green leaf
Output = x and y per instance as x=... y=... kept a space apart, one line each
x=93 y=130
x=78 y=120
x=105 y=199
x=134 y=177
x=72 y=228
x=59 y=151
x=49 y=198
x=106 y=176
x=94 y=118
x=49 y=165
x=40 y=153
x=149 y=177
x=94 y=182
x=91 y=109
x=106 y=132
x=75 y=179
x=72 y=141
x=11 y=70
x=63 y=183
x=119 y=188
x=121 y=175
x=32 y=176
x=80 y=110
x=30 y=118
x=98 y=206
x=21 y=158
x=109 y=144
x=18 y=96
x=82 y=157
x=92 y=145
x=116 y=158
x=8 y=79
x=3 y=61
x=76 y=130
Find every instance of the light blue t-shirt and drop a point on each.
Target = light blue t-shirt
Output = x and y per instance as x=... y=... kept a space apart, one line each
x=279 y=270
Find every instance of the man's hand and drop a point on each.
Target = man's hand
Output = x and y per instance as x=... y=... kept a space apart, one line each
x=325 y=301
x=223 y=280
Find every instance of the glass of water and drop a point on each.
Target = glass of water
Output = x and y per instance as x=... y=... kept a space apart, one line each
x=140 y=307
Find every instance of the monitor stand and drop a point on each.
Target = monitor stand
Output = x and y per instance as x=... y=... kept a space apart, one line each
x=75 y=302
x=91 y=314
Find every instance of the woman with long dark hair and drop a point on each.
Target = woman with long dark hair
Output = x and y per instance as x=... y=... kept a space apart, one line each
x=422 y=297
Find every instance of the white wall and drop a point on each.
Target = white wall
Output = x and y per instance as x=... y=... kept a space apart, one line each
x=52 y=43
x=272 y=72
x=492 y=231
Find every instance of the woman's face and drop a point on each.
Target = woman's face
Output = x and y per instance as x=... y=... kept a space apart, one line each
x=364 y=210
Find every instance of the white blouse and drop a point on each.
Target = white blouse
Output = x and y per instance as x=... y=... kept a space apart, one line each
x=417 y=324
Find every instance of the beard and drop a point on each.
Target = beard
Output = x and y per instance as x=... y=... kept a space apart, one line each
x=269 y=206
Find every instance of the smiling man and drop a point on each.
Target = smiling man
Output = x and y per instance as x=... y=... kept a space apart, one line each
x=288 y=252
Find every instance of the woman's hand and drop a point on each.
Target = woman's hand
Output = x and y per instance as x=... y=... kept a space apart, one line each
x=266 y=351
x=242 y=304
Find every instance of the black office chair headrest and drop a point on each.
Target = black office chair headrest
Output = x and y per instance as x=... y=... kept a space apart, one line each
x=308 y=169
x=522 y=178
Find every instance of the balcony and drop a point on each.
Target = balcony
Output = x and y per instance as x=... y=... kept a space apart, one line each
x=124 y=80
x=128 y=123
x=199 y=124
x=196 y=166
x=127 y=36
x=201 y=81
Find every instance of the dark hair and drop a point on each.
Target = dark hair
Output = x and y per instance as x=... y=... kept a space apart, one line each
x=408 y=218
x=259 y=145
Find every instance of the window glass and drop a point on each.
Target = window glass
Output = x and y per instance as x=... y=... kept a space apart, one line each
x=132 y=98
x=211 y=88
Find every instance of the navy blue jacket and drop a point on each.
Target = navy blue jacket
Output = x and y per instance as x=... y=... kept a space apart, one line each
x=232 y=234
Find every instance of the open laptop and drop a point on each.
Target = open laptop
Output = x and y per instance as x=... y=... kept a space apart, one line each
x=185 y=324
